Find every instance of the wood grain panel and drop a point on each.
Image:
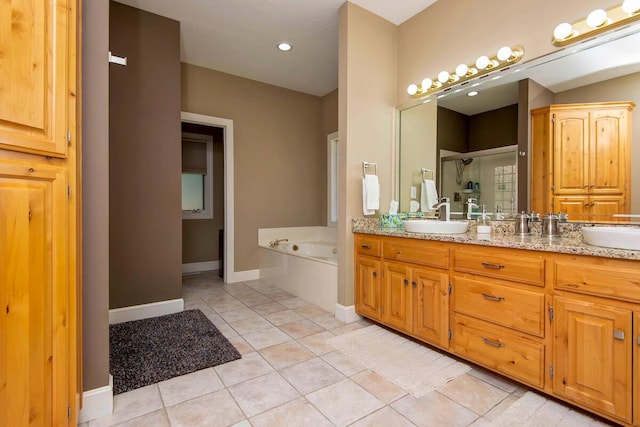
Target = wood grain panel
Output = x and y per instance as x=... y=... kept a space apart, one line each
x=368 y=292
x=500 y=263
x=430 y=305
x=434 y=254
x=396 y=301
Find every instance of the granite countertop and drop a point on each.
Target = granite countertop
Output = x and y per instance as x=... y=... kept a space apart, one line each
x=502 y=235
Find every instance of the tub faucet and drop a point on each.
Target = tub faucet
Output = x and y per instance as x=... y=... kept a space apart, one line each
x=275 y=243
x=445 y=206
x=471 y=203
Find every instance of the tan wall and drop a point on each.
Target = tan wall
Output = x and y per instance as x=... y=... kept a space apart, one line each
x=95 y=195
x=367 y=83
x=279 y=153
x=626 y=88
x=329 y=125
x=458 y=31
x=145 y=219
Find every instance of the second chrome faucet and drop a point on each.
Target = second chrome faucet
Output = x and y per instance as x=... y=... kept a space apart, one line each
x=444 y=209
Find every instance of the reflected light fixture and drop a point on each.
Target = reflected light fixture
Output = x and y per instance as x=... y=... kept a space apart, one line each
x=505 y=57
x=284 y=47
x=597 y=22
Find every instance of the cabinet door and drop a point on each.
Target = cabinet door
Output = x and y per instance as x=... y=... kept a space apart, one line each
x=608 y=153
x=603 y=208
x=593 y=355
x=396 y=311
x=431 y=305
x=37 y=77
x=368 y=292
x=576 y=207
x=571 y=153
x=636 y=370
x=34 y=294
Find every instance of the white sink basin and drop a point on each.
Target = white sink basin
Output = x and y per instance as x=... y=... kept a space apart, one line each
x=612 y=237
x=431 y=226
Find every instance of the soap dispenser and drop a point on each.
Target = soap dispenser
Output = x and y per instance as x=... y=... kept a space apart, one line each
x=483 y=223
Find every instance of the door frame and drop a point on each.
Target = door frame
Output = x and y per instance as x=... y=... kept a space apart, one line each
x=229 y=236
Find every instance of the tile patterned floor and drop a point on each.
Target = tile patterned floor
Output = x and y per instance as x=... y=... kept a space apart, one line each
x=290 y=376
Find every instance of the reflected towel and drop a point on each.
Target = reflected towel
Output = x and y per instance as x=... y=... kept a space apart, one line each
x=370 y=194
x=428 y=195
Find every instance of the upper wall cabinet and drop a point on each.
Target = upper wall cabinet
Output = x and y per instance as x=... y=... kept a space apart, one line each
x=37 y=82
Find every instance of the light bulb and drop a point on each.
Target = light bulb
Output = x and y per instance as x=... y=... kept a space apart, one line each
x=562 y=31
x=427 y=83
x=631 y=6
x=482 y=62
x=504 y=53
x=462 y=70
x=597 y=18
x=412 y=89
x=284 y=46
x=443 y=76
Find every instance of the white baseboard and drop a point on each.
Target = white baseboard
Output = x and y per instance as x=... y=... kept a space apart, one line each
x=144 y=311
x=194 y=267
x=347 y=314
x=242 y=276
x=97 y=403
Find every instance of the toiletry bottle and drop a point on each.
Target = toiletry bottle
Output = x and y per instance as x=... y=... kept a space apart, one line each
x=483 y=223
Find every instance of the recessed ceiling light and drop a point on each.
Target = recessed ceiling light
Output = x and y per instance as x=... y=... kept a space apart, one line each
x=472 y=93
x=284 y=46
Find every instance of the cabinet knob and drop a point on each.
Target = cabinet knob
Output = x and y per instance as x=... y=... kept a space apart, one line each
x=414 y=284
x=618 y=334
x=374 y=274
x=406 y=281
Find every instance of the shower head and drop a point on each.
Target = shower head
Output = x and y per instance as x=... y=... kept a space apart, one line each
x=467 y=162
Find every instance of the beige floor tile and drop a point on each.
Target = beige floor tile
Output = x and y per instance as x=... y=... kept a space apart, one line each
x=293 y=303
x=317 y=343
x=211 y=410
x=216 y=319
x=130 y=405
x=238 y=314
x=272 y=307
x=301 y=328
x=549 y=414
x=282 y=317
x=481 y=422
x=341 y=411
x=384 y=390
x=243 y=423
x=189 y=386
x=310 y=310
x=497 y=410
x=227 y=330
x=434 y=409
x=266 y=338
x=295 y=413
x=251 y=365
x=251 y=324
x=241 y=345
x=342 y=363
x=494 y=379
x=236 y=288
x=263 y=393
x=311 y=375
x=257 y=299
x=350 y=327
x=386 y=417
x=225 y=306
x=327 y=321
x=473 y=393
x=286 y=354
x=156 y=419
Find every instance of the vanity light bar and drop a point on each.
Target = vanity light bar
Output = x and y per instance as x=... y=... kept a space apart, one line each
x=484 y=64
x=597 y=22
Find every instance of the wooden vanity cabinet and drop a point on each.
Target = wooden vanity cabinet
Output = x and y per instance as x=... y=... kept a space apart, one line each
x=582 y=154
x=368 y=277
x=636 y=369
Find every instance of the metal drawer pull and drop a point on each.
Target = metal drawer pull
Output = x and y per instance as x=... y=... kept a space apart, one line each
x=366 y=246
x=492 y=343
x=406 y=281
x=492 y=298
x=375 y=274
x=414 y=284
x=618 y=334
x=495 y=266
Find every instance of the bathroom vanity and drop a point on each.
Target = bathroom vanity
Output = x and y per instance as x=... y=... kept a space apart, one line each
x=557 y=315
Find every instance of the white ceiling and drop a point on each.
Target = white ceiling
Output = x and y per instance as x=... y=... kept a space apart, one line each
x=240 y=36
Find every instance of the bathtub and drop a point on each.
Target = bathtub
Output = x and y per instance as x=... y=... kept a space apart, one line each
x=305 y=266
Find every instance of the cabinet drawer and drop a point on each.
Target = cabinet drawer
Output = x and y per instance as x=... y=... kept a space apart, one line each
x=597 y=276
x=504 y=264
x=514 y=308
x=368 y=245
x=494 y=348
x=422 y=252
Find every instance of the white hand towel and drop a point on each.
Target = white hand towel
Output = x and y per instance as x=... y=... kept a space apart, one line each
x=370 y=194
x=428 y=195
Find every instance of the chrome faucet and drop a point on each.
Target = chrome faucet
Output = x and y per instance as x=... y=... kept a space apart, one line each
x=471 y=203
x=445 y=206
x=275 y=243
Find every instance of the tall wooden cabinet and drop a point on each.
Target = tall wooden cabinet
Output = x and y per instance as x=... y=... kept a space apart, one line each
x=581 y=157
x=39 y=149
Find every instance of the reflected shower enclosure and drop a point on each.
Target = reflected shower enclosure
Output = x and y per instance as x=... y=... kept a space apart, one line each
x=487 y=177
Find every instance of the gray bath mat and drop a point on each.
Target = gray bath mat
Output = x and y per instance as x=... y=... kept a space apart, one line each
x=151 y=350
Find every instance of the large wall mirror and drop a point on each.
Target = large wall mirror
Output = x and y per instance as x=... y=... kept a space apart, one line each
x=606 y=69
